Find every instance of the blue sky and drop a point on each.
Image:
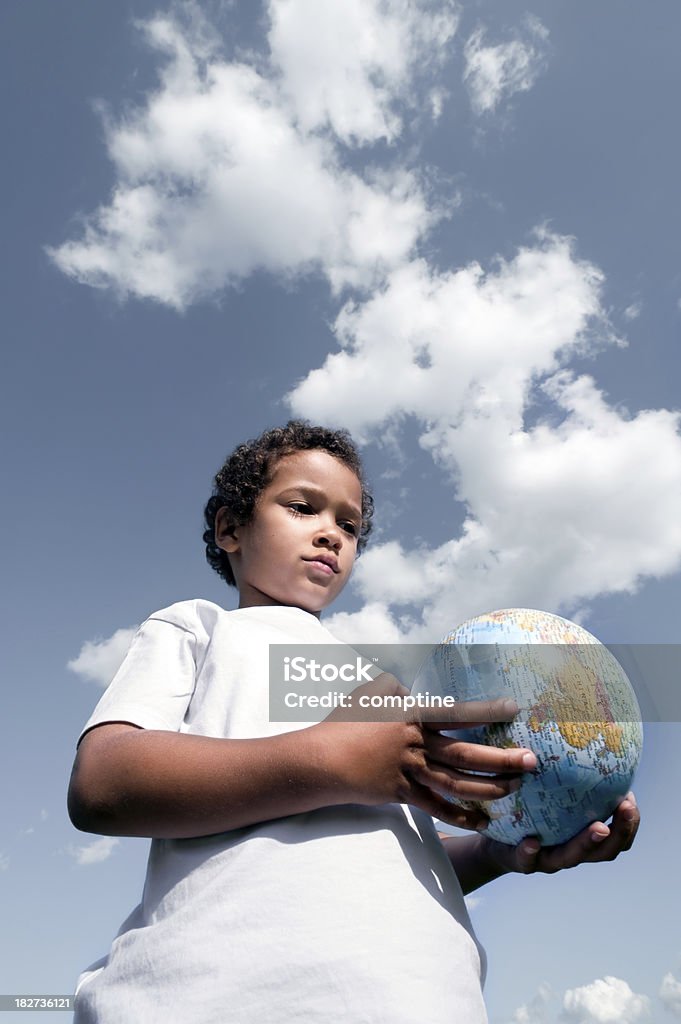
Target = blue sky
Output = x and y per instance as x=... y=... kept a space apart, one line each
x=452 y=228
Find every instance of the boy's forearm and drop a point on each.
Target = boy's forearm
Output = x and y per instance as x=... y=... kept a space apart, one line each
x=174 y=786
x=139 y=782
x=470 y=858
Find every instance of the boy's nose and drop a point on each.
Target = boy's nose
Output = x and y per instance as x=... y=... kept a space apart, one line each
x=329 y=536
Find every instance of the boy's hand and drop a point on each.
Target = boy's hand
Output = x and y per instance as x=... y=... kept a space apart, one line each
x=597 y=842
x=410 y=761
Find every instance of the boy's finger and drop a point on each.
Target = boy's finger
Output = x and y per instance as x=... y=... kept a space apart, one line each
x=585 y=846
x=626 y=820
x=471 y=818
x=623 y=828
x=597 y=842
x=464 y=786
x=476 y=757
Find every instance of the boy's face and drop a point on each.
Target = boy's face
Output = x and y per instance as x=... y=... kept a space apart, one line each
x=300 y=546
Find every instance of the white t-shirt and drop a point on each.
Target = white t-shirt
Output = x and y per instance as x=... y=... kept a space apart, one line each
x=345 y=914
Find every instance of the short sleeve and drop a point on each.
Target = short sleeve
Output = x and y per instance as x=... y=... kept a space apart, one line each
x=155 y=683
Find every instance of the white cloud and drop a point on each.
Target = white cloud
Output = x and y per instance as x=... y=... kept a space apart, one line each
x=536 y=1010
x=4 y=862
x=563 y=496
x=218 y=171
x=345 y=64
x=99 y=660
x=233 y=165
x=446 y=341
x=95 y=852
x=374 y=621
x=670 y=994
x=633 y=311
x=493 y=73
x=30 y=829
x=605 y=1001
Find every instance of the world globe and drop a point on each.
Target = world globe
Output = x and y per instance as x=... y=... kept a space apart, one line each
x=577 y=712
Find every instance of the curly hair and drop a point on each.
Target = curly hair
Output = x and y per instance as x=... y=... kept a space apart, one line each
x=250 y=468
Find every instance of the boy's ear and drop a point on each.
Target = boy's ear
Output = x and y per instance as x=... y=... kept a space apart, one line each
x=226 y=531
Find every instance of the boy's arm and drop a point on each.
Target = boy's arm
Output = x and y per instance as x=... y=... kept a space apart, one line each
x=132 y=781
x=478 y=860
x=143 y=782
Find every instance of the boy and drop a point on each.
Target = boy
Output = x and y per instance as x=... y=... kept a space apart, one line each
x=294 y=871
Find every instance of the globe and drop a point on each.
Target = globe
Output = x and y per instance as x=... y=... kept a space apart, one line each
x=577 y=712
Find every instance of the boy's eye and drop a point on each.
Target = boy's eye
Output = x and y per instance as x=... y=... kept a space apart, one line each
x=303 y=508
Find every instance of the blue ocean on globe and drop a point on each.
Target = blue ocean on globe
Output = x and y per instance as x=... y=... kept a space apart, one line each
x=577 y=712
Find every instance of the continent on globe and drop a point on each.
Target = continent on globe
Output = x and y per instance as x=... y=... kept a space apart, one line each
x=577 y=712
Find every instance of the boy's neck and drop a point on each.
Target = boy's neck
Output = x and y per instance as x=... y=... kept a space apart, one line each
x=263 y=601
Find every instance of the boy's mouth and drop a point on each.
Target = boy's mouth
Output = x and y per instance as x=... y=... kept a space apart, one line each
x=328 y=561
